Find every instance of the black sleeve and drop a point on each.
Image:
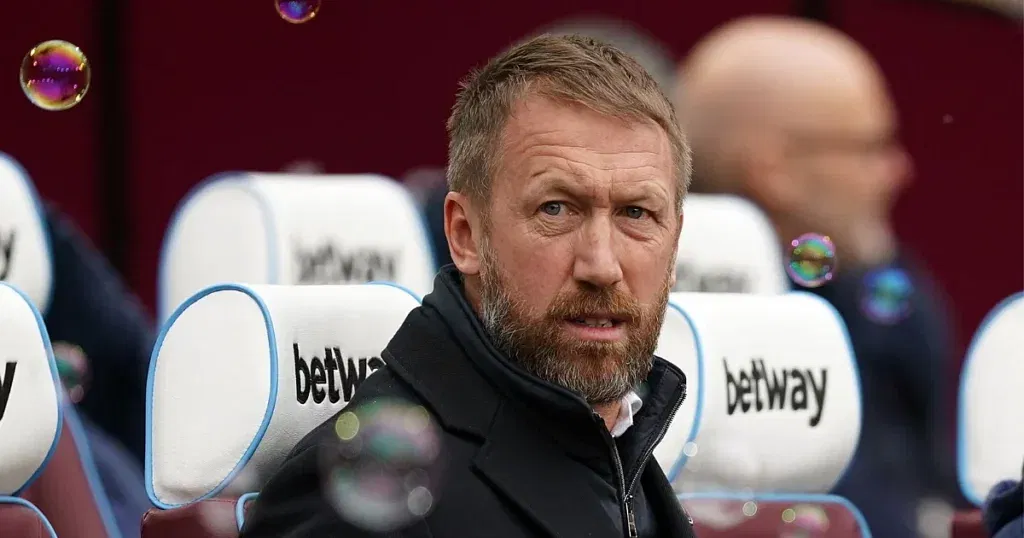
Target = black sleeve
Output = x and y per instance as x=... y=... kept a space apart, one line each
x=92 y=308
x=292 y=503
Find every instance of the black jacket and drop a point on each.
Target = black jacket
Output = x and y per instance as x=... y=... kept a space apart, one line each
x=524 y=458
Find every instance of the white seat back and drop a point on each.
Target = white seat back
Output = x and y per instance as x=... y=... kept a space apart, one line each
x=777 y=403
x=241 y=373
x=991 y=405
x=30 y=394
x=25 y=259
x=728 y=245
x=256 y=228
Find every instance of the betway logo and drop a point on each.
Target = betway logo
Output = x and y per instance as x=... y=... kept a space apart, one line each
x=6 y=253
x=723 y=281
x=332 y=377
x=6 y=382
x=771 y=389
x=328 y=264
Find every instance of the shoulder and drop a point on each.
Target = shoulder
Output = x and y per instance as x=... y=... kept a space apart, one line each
x=292 y=504
x=382 y=385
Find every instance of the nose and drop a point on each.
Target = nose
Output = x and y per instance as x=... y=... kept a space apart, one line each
x=597 y=263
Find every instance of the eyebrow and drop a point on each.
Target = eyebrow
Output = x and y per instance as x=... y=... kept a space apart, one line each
x=557 y=181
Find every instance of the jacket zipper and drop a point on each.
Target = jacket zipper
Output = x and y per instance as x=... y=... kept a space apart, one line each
x=627 y=492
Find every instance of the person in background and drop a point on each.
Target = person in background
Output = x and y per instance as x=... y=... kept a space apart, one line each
x=534 y=352
x=796 y=117
x=102 y=341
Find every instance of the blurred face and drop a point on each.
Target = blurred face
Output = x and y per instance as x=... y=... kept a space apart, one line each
x=849 y=167
x=578 y=247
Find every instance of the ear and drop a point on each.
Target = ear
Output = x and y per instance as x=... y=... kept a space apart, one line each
x=675 y=252
x=462 y=230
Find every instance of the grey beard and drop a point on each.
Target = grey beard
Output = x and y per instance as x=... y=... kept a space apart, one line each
x=543 y=361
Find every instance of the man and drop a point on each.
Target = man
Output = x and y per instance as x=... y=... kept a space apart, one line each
x=567 y=173
x=621 y=34
x=796 y=117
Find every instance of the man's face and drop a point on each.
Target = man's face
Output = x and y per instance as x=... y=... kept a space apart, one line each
x=578 y=246
x=850 y=168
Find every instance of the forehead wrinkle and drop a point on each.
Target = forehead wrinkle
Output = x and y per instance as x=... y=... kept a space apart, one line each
x=609 y=186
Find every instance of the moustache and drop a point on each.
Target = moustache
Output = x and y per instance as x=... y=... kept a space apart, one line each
x=610 y=303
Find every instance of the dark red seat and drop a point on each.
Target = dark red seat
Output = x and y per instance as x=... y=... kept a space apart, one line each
x=20 y=518
x=65 y=493
x=822 y=516
x=212 y=518
x=968 y=524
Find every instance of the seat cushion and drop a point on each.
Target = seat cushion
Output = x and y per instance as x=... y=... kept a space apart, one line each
x=784 y=518
x=968 y=524
x=69 y=493
x=212 y=518
x=20 y=518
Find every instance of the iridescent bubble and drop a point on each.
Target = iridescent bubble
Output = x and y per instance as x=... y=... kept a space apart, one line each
x=72 y=368
x=811 y=260
x=297 y=11
x=885 y=295
x=55 y=75
x=382 y=469
x=804 y=521
x=750 y=508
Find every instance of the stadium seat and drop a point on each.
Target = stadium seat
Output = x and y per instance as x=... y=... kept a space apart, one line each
x=25 y=259
x=777 y=399
x=990 y=438
x=718 y=515
x=30 y=412
x=239 y=375
x=47 y=481
x=773 y=405
x=728 y=245
x=292 y=229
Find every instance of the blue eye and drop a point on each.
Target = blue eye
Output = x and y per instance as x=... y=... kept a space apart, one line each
x=634 y=212
x=552 y=208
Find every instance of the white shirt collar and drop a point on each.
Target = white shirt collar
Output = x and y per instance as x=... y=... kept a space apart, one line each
x=630 y=404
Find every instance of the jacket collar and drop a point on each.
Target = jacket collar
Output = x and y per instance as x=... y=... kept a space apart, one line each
x=443 y=352
x=466 y=375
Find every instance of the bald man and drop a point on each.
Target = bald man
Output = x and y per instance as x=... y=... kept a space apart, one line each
x=796 y=117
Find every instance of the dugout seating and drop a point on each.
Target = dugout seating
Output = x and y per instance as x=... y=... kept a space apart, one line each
x=233 y=386
x=728 y=245
x=258 y=228
x=48 y=485
x=776 y=416
x=990 y=437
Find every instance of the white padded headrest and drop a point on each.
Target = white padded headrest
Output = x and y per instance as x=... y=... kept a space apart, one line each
x=287 y=229
x=991 y=406
x=728 y=245
x=240 y=374
x=30 y=393
x=25 y=259
x=776 y=399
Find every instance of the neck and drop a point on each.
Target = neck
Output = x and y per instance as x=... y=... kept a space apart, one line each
x=868 y=247
x=609 y=413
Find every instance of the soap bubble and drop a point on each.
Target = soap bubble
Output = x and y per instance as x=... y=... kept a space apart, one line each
x=804 y=521
x=382 y=468
x=297 y=11
x=885 y=295
x=811 y=260
x=55 y=75
x=72 y=368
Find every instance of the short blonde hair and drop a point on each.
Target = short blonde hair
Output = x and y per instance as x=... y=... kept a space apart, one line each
x=571 y=69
